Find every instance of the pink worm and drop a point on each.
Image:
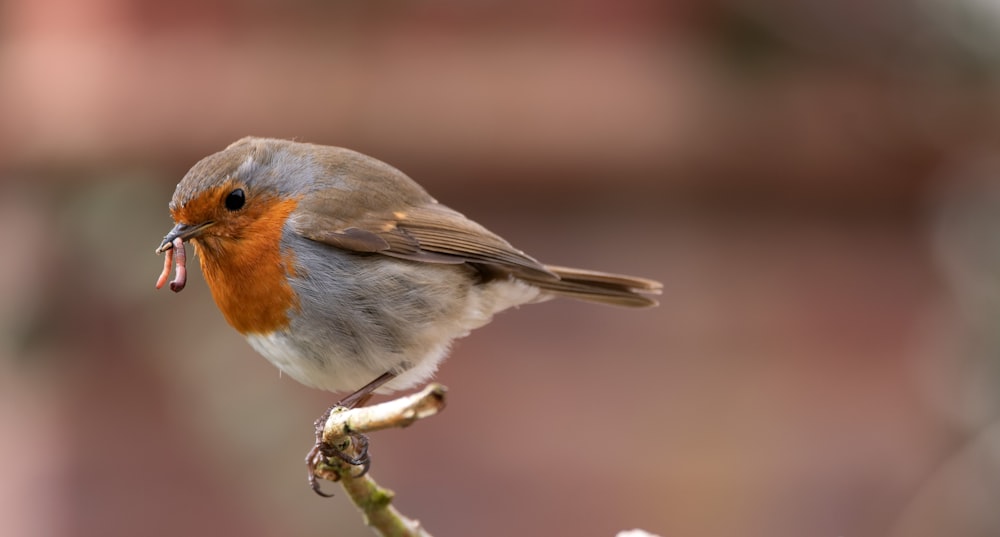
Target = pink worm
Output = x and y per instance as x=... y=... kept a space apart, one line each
x=180 y=273
x=180 y=277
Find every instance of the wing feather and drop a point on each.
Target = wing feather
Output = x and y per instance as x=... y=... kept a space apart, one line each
x=431 y=233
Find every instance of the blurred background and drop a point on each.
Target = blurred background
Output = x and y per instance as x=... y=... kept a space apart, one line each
x=816 y=184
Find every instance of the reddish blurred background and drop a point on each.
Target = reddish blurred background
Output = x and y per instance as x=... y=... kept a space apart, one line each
x=814 y=182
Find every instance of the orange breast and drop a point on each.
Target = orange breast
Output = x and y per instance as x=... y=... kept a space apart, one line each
x=247 y=274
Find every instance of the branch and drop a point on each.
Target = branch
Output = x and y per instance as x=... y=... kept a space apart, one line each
x=400 y=412
x=373 y=500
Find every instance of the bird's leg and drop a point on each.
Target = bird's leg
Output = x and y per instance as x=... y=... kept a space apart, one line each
x=322 y=450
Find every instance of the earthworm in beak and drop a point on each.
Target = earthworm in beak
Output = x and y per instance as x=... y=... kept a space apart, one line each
x=180 y=277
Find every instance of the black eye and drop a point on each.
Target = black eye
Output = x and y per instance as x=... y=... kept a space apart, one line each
x=235 y=200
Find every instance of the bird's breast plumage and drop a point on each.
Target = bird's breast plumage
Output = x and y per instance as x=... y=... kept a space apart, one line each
x=248 y=274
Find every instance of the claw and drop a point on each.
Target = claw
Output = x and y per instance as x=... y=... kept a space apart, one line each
x=321 y=451
x=313 y=460
x=359 y=443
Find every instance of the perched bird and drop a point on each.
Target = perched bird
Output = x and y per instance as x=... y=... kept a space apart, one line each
x=345 y=273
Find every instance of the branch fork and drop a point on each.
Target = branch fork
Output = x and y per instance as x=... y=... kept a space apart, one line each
x=374 y=501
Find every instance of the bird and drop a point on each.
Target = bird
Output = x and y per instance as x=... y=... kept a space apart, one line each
x=346 y=274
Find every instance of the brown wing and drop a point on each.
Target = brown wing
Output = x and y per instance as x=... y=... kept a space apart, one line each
x=381 y=210
x=430 y=233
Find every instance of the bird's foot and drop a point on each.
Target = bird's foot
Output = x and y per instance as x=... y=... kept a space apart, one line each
x=353 y=450
x=318 y=457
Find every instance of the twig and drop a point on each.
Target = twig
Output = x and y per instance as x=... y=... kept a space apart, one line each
x=374 y=501
x=400 y=412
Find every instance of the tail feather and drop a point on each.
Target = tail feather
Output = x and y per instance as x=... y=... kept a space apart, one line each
x=603 y=287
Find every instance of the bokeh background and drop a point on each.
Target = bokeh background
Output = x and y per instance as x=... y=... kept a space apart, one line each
x=816 y=184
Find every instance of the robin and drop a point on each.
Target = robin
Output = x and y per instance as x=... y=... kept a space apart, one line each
x=346 y=274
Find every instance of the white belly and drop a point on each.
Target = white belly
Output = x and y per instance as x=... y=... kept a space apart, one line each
x=342 y=368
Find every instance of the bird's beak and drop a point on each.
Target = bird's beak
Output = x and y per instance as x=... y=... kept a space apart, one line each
x=184 y=232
